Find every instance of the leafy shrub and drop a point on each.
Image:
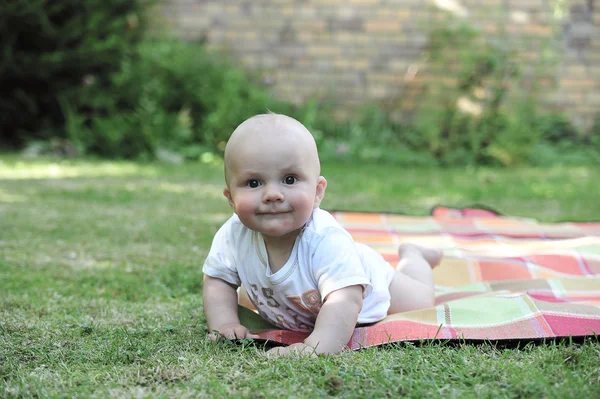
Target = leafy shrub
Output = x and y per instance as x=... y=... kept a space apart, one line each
x=487 y=112
x=371 y=136
x=166 y=95
x=564 y=145
x=47 y=51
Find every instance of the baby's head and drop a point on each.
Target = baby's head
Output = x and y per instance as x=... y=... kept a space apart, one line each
x=265 y=133
x=272 y=173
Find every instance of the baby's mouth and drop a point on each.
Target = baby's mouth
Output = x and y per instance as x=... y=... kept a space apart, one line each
x=273 y=213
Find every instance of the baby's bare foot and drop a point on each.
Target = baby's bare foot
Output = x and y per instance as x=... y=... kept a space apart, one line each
x=433 y=256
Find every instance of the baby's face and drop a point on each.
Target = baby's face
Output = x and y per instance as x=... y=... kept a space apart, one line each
x=273 y=181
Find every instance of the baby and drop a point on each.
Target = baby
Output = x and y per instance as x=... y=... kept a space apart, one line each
x=301 y=269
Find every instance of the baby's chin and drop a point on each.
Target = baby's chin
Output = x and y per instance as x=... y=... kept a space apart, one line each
x=279 y=232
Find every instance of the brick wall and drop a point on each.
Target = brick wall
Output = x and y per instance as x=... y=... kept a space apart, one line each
x=361 y=50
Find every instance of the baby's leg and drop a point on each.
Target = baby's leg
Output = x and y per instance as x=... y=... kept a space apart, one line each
x=412 y=287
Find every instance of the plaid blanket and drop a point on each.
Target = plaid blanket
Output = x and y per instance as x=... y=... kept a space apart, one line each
x=502 y=278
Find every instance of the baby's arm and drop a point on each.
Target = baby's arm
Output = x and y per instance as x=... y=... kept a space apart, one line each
x=334 y=325
x=220 y=307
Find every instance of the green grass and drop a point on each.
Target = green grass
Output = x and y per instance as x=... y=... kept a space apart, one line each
x=100 y=286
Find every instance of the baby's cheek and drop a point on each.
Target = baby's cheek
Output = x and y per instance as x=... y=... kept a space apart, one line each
x=306 y=203
x=244 y=208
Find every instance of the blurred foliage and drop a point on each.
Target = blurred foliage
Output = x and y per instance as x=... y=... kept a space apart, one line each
x=169 y=96
x=97 y=85
x=173 y=100
x=481 y=105
x=49 y=49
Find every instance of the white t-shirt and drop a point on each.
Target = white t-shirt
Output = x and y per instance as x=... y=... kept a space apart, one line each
x=324 y=258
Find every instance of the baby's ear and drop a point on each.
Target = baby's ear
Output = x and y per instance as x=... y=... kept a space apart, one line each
x=227 y=195
x=321 y=186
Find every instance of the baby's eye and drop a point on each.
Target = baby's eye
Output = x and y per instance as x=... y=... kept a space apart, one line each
x=252 y=183
x=290 y=179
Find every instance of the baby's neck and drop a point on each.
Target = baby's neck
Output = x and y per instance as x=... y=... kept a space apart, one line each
x=279 y=249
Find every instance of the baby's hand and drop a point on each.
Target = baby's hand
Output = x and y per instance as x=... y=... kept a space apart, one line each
x=299 y=348
x=231 y=331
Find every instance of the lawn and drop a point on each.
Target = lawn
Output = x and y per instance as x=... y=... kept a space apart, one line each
x=100 y=286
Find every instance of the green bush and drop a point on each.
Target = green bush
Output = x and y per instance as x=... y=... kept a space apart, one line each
x=49 y=49
x=167 y=95
x=370 y=136
x=564 y=145
x=488 y=112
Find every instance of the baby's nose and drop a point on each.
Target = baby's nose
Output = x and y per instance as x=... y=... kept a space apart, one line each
x=272 y=193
